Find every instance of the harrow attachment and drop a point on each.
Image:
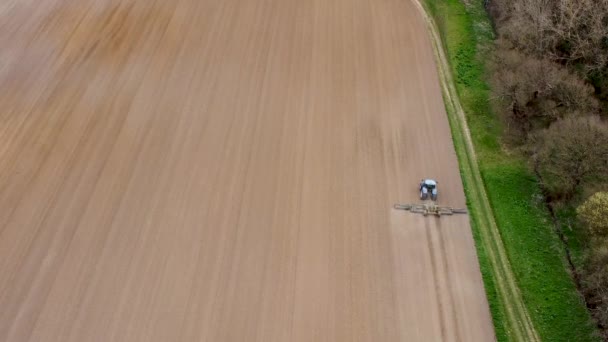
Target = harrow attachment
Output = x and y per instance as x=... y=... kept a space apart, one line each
x=429 y=209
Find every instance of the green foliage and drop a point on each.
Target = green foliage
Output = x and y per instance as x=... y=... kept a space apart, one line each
x=547 y=289
x=466 y=72
x=535 y=254
x=594 y=213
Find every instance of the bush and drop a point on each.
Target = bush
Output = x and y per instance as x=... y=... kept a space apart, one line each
x=572 y=153
x=595 y=283
x=594 y=214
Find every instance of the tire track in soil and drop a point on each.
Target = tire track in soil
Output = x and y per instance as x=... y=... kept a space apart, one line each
x=436 y=275
x=447 y=271
x=132 y=129
x=518 y=321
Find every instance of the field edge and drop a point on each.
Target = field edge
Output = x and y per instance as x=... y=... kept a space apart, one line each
x=508 y=226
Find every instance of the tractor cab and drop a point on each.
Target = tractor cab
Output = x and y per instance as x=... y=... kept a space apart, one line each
x=428 y=186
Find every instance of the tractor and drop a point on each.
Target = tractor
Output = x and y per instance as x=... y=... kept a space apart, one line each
x=428 y=186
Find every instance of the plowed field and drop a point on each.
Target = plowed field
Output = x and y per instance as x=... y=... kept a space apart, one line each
x=205 y=170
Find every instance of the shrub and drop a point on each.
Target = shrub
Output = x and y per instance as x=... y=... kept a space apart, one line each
x=570 y=154
x=594 y=214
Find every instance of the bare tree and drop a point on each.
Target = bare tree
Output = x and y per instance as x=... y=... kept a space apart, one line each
x=581 y=32
x=568 y=31
x=532 y=93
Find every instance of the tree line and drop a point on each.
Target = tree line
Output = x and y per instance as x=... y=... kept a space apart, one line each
x=549 y=82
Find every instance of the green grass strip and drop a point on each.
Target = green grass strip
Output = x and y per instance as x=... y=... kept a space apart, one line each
x=530 y=293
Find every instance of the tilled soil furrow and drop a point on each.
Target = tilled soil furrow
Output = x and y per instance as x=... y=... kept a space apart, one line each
x=226 y=171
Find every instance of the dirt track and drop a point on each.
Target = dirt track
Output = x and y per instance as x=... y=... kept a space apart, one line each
x=225 y=171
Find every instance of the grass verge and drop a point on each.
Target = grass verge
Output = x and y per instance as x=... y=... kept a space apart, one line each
x=531 y=295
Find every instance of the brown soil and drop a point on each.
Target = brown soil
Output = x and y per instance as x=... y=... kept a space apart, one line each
x=201 y=170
